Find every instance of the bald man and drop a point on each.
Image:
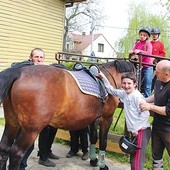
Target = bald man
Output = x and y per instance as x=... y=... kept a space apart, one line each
x=161 y=108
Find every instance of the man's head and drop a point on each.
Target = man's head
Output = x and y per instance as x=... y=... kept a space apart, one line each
x=162 y=71
x=37 y=56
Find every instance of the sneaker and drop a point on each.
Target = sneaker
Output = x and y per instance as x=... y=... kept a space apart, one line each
x=52 y=156
x=47 y=163
x=85 y=156
x=71 y=154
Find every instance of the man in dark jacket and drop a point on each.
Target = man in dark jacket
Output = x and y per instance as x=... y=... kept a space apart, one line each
x=47 y=135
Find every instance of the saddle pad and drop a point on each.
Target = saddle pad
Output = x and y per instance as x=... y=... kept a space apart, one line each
x=86 y=83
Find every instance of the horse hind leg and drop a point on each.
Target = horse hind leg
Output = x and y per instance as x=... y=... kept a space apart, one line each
x=3 y=157
x=24 y=141
x=6 y=142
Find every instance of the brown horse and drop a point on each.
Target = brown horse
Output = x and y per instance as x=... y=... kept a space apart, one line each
x=36 y=96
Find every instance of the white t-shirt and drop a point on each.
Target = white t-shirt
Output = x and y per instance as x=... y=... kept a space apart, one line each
x=135 y=118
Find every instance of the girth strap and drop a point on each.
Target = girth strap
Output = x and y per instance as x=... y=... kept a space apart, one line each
x=80 y=66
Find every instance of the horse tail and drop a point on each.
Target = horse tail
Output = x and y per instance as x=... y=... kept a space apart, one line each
x=8 y=77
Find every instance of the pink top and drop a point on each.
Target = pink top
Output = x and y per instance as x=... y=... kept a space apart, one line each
x=145 y=47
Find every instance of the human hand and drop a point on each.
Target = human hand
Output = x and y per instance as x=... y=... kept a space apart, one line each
x=136 y=51
x=135 y=133
x=131 y=52
x=132 y=55
x=100 y=75
x=155 y=61
x=144 y=106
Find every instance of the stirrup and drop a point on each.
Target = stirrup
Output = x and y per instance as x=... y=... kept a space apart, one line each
x=94 y=69
x=78 y=66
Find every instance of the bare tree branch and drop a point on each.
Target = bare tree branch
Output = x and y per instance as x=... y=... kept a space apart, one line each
x=82 y=15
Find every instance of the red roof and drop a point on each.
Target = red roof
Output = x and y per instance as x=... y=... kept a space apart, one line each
x=82 y=41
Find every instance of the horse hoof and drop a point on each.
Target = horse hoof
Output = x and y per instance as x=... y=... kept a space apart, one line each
x=93 y=162
x=105 y=168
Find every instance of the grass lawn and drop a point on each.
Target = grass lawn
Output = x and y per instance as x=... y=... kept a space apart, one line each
x=119 y=129
x=2 y=121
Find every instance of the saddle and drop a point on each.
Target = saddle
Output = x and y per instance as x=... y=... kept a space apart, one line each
x=92 y=71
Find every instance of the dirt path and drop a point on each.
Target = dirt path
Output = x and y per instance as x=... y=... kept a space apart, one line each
x=74 y=163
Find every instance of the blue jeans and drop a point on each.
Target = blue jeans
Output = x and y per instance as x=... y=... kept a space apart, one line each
x=146 y=81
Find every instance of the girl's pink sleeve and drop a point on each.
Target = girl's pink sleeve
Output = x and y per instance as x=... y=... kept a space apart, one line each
x=134 y=47
x=148 y=49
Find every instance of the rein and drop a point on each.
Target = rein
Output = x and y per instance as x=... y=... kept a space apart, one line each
x=111 y=76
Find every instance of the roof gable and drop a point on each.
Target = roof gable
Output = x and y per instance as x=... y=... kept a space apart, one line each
x=81 y=42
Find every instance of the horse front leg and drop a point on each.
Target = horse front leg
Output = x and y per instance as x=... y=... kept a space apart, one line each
x=93 y=141
x=7 y=140
x=103 y=134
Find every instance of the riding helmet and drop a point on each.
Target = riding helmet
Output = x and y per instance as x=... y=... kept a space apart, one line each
x=127 y=145
x=155 y=30
x=145 y=29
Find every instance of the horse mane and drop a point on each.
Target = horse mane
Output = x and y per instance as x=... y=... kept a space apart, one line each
x=8 y=77
x=59 y=65
x=122 y=66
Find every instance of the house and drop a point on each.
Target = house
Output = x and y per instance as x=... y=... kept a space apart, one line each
x=93 y=44
x=27 y=24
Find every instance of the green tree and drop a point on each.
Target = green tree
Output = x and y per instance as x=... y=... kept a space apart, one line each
x=140 y=16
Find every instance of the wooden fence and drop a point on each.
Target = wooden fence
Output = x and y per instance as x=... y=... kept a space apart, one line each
x=113 y=140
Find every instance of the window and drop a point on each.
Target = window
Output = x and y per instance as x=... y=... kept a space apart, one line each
x=100 y=47
x=67 y=46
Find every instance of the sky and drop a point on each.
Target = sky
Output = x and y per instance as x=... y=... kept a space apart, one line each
x=117 y=14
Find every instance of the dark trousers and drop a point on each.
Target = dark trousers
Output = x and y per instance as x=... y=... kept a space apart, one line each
x=160 y=141
x=45 y=141
x=75 y=136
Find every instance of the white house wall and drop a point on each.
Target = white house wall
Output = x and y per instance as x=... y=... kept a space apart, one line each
x=108 y=50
